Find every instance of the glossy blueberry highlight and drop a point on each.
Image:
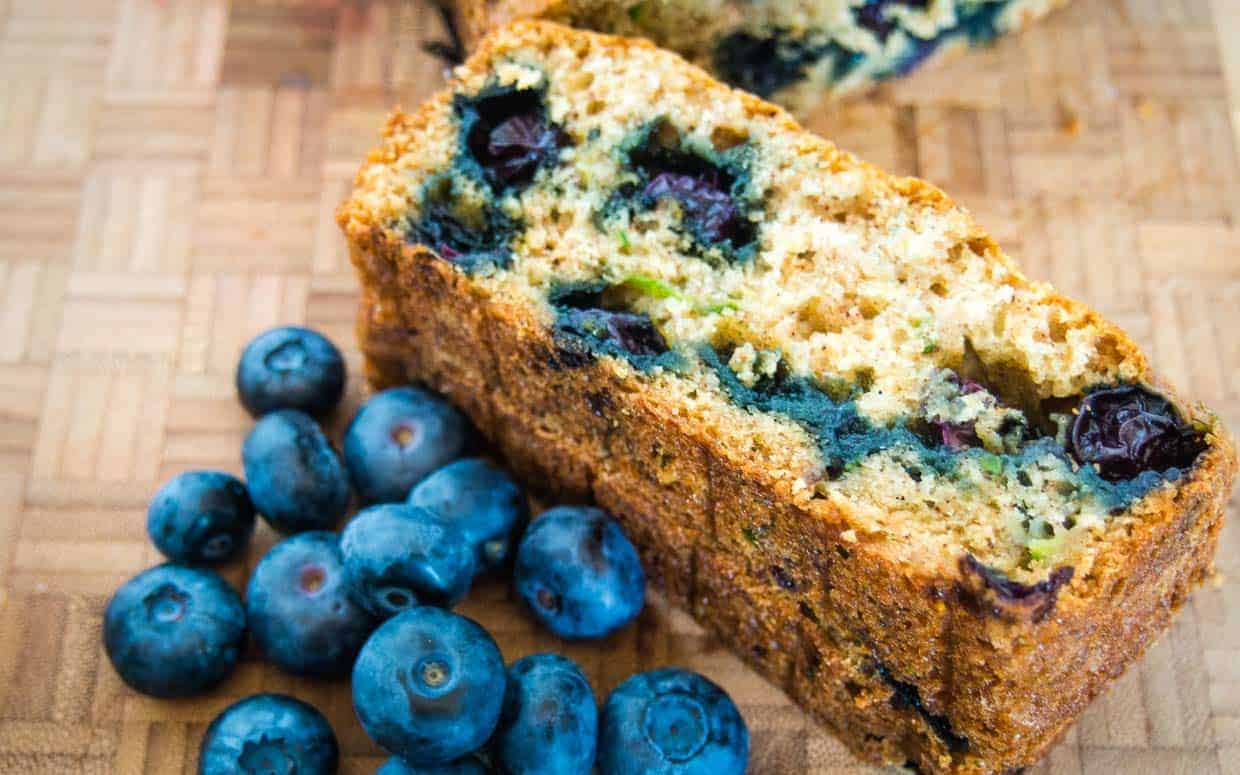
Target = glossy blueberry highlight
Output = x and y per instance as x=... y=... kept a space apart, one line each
x=428 y=686
x=1126 y=430
x=399 y=556
x=269 y=734
x=293 y=474
x=579 y=573
x=467 y=766
x=671 y=721
x=479 y=499
x=174 y=631
x=200 y=517
x=398 y=437
x=301 y=609
x=290 y=368
x=549 y=724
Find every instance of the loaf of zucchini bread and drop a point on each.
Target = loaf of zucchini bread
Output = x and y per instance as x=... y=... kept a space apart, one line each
x=938 y=503
x=794 y=52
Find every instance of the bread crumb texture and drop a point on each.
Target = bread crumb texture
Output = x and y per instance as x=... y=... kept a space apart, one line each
x=855 y=334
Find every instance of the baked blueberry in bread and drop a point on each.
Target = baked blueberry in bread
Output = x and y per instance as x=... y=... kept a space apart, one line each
x=795 y=52
x=938 y=503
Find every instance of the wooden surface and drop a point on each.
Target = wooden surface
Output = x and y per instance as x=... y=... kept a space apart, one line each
x=168 y=172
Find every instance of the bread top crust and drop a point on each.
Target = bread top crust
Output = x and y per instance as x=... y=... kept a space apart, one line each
x=781 y=454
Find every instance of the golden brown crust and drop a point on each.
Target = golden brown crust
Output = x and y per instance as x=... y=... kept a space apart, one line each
x=813 y=612
x=902 y=663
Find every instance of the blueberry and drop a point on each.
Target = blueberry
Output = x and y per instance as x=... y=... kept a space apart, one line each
x=300 y=607
x=397 y=438
x=549 y=724
x=467 y=766
x=872 y=15
x=294 y=476
x=671 y=721
x=173 y=631
x=957 y=436
x=290 y=368
x=509 y=135
x=706 y=207
x=632 y=332
x=398 y=556
x=579 y=573
x=520 y=145
x=428 y=686
x=200 y=517
x=764 y=65
x=269 y=734
x=482 y=501
x=1125 y=430
x=458 y=230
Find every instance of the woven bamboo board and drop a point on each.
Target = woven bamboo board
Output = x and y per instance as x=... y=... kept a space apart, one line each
x=168 y=172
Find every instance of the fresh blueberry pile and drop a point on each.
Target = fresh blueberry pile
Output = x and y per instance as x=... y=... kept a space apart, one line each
x=428 y=685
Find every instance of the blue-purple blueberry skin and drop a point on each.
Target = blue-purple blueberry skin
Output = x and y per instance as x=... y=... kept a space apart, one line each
x=398 y=437
x=290 y=368
x=200 y=517
x=174 y=631
x=549 y=725
x=301 y=609
x=295 y=478
x=482 y=501
x=671 y=722
x=399 y=556
x=269 y=734
x=429 y=685
x=467 y=766
x=579 y=573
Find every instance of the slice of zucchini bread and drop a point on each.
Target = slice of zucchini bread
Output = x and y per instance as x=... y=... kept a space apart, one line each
x=795 y=52
x=938 y=503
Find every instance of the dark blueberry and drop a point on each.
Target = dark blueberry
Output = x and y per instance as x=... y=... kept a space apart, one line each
x=579 y=573
x=1002 y=597
x=397 y=438
x=957 y=436
x=763 y=65
x=290 y=368
x=429 y=685
x=1125 y=430
x=399 y=556
x=174 y=631
x=671 y=721
x=706 y=208
x=460 y=231
x=479 y=499
x=200 y=517
x=509 y=135
x=519 y=146
x=549 y=724
x=300 y=607
x=269 y=734
x=467 y=766
x=293 y=474
x=632 y=332
x=872 y=15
